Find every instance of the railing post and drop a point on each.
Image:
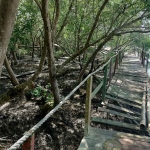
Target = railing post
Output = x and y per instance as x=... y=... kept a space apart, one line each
x=142 y=58
x=147 y=62
x=121 y=53
x=88 y=106
x=29 y=143
x=105 y=82
x=119 y=59
x=116 y=64
x=110 y=71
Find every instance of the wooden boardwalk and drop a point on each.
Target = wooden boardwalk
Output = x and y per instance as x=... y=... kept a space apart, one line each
x=127 y=107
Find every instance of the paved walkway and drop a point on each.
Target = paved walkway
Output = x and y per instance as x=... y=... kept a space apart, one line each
x=126 y=98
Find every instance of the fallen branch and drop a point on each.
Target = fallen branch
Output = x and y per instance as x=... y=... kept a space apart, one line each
x=20 y=75
x=5 y=140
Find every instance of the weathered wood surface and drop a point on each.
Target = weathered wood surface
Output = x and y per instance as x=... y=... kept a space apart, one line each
x=122 y=109
x=118 y=113
x=123 y=101
x=100 y=139
x=116 y=123
x=127 y=87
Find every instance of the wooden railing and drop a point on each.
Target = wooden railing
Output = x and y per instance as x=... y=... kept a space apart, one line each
x=109 y=71
x=27 y=141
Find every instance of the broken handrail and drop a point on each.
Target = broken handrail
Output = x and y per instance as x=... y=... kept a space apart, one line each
x=143 y=112
x=34 y=128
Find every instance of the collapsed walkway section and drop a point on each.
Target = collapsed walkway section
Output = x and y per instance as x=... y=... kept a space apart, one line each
x=126 y=107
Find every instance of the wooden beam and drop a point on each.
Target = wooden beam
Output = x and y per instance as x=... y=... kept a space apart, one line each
x=143 y=112
x=104 y=83
x=29 y=143
x=122 y=109
x=123 y=102
x=88 y=106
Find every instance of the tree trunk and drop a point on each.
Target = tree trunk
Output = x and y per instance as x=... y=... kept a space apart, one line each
x=13 y=78
x=50 y=51
x=43 y=55
x=7 y=17
x=94 y=54
x=14 y=57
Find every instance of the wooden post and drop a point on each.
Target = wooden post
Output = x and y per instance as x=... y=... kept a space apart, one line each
x=143 y=111
x=147 y=62
x=121 y=53
x=116 y=64
x=110 y=71
x=88 y=106
x=119 y=59
x=29 y=143
x=104 y=83
x=142 y=57
x=148 y=110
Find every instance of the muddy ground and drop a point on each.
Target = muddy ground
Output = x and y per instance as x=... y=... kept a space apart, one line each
x=63 y=131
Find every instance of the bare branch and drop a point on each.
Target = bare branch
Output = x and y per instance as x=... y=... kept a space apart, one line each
x=125 y=32
x=57 y=5
x=96 y=21
x=65 y=19
x=38 y=4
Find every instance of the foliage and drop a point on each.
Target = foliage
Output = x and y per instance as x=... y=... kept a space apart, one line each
x=82 y=28
x=43 y=93
x=141 y=41
x=26 y=26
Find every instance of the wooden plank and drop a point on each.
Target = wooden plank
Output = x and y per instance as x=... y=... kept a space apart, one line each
x=104 y=83
x=118 y=92
x=29 y=143
x=88 y=105
x=118 y=113
x=135 y=73
x=122 y=101
x=127 y=89
x=127 y=79
x=122 y=109
x=131 y=74
x=125 y=86
x=97 y=88
x=116 y=123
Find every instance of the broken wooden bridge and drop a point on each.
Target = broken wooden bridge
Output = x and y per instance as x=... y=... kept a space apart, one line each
x=122 y=121
x=122 y=118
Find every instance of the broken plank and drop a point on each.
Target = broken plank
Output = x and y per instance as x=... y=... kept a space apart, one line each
x=123 y=89
x=116 y=123
x=130 y=74
x=124 y=94
x=122 y=109
x=118 y=113
x=122 y=101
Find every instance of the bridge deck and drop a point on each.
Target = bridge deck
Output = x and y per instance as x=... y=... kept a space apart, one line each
x=124 y=98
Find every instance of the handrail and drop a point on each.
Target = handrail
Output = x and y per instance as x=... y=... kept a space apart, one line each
x=34 y=128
